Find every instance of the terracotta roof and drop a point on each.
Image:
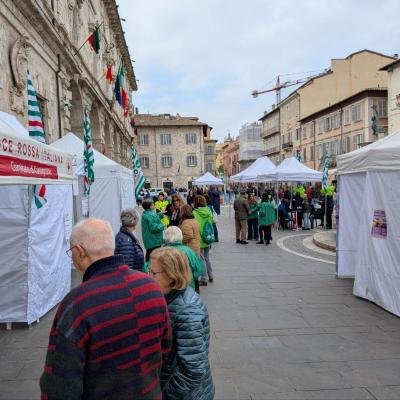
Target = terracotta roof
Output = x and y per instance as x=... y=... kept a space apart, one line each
x=166 y=120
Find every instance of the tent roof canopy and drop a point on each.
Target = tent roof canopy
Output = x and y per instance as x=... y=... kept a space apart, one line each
x=103 y=166
x=260 y=166
x=291 y=170
x=208 y=179
x=382 y=155
x=26 y=161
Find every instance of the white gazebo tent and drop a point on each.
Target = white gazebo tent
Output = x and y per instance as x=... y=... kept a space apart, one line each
x=369 y=221
x=291 y=170
x=208 y=179
x=113 y=188
x=35 y=272
x=250 y=175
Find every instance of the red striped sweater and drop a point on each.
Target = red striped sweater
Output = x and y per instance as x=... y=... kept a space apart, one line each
x=108 y=338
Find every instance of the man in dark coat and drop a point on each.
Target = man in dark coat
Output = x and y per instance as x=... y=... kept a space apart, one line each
x=126 y=243
x=214 y=196
x=111 y=333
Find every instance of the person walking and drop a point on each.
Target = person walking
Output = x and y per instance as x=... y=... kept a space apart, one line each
x=252 y=218
x=126 y=242
x=173 y=238
x=190 y=229
x=214 y=214
x=204 y=218
x=266 y=219
x=186 y=372
x=96 y=345
x=215 y=195
x=152 y=228
x=241 y=207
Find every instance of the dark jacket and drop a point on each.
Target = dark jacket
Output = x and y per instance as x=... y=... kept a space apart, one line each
x=97 y=347
x=215 y=201
x=128 y=246
x=186 y=374
x=241 y=207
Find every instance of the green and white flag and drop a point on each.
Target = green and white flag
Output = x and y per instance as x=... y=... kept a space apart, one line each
x=138 y=176
x=36 y=131
x=35 y=123
x=325 y=171
x=88 y=153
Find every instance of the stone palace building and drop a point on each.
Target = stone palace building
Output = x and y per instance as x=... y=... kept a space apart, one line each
x=43 y=36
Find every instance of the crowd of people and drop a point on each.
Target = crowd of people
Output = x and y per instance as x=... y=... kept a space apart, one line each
x=136 y=327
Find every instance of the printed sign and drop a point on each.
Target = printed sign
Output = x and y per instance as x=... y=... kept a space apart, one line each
x=13 y=166
x=379 y=226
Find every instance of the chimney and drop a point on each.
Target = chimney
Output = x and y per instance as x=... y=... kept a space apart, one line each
x=273 y=106
x=136 y=110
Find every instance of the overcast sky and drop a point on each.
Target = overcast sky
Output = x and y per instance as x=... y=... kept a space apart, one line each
x=204 y=57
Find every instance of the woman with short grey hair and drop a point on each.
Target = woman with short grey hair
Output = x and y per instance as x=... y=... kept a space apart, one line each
x=126 y=242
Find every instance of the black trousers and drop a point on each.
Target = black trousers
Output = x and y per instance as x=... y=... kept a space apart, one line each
x=252 y=229
x=265 y=233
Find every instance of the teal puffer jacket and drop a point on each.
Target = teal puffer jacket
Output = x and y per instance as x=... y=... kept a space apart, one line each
x=186 y=374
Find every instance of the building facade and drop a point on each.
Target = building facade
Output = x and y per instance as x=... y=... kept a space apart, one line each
x=251 y=143
x=210 y=153
x=271 y=134
x=290 y=125
x=43 y=36
x=231 y=149
x=219 y=160
x=345 y=78
x=344 y=127
x=170 y=149
x=393 y=71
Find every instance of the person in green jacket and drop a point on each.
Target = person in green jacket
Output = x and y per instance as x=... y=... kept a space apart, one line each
x=173 y=237
x=152 y=228
x=252 y=218
x=202 y=214
x=266 y=218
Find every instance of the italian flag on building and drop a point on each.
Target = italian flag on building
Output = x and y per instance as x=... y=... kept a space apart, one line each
x=36 y=131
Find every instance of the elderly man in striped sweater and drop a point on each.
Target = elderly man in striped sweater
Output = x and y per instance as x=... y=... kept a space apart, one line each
x=111 y=333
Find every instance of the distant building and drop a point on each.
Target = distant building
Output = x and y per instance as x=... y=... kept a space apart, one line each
x=210 y=153
x=231 y=149
x=290 y=125
x=344 y=126
x=393 y=71
x=171 y=149
x=43 y=37
x=271 y=134
x=219 y=161
x=251 y=143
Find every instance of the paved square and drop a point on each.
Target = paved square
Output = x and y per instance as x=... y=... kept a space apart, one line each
x=283 y=327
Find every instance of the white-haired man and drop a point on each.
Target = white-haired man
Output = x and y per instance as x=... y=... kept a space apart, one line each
x=173 y=237
x=110 y=333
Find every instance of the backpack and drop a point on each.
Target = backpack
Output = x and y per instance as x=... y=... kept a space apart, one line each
x=208 y=233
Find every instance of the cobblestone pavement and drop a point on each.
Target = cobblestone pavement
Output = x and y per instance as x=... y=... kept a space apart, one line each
x=283 y=327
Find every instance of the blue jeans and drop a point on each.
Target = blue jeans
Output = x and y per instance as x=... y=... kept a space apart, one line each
x=205 y=256
x=252 y=229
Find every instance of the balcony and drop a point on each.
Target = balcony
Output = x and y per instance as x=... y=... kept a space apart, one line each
x=272 y=150
x=270 y=131
x=287 y=145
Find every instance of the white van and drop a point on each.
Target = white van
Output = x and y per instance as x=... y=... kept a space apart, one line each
x=156 y=191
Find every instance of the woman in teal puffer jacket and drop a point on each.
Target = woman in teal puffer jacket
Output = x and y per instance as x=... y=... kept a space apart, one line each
x=186 y=372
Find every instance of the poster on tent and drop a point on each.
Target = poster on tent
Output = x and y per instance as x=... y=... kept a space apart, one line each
x=379 y=226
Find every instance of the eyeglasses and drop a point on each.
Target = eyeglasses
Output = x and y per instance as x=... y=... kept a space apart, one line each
x=154 y=273
x=69 y=252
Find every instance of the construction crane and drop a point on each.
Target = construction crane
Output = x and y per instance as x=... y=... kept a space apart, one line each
x=278 y=86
